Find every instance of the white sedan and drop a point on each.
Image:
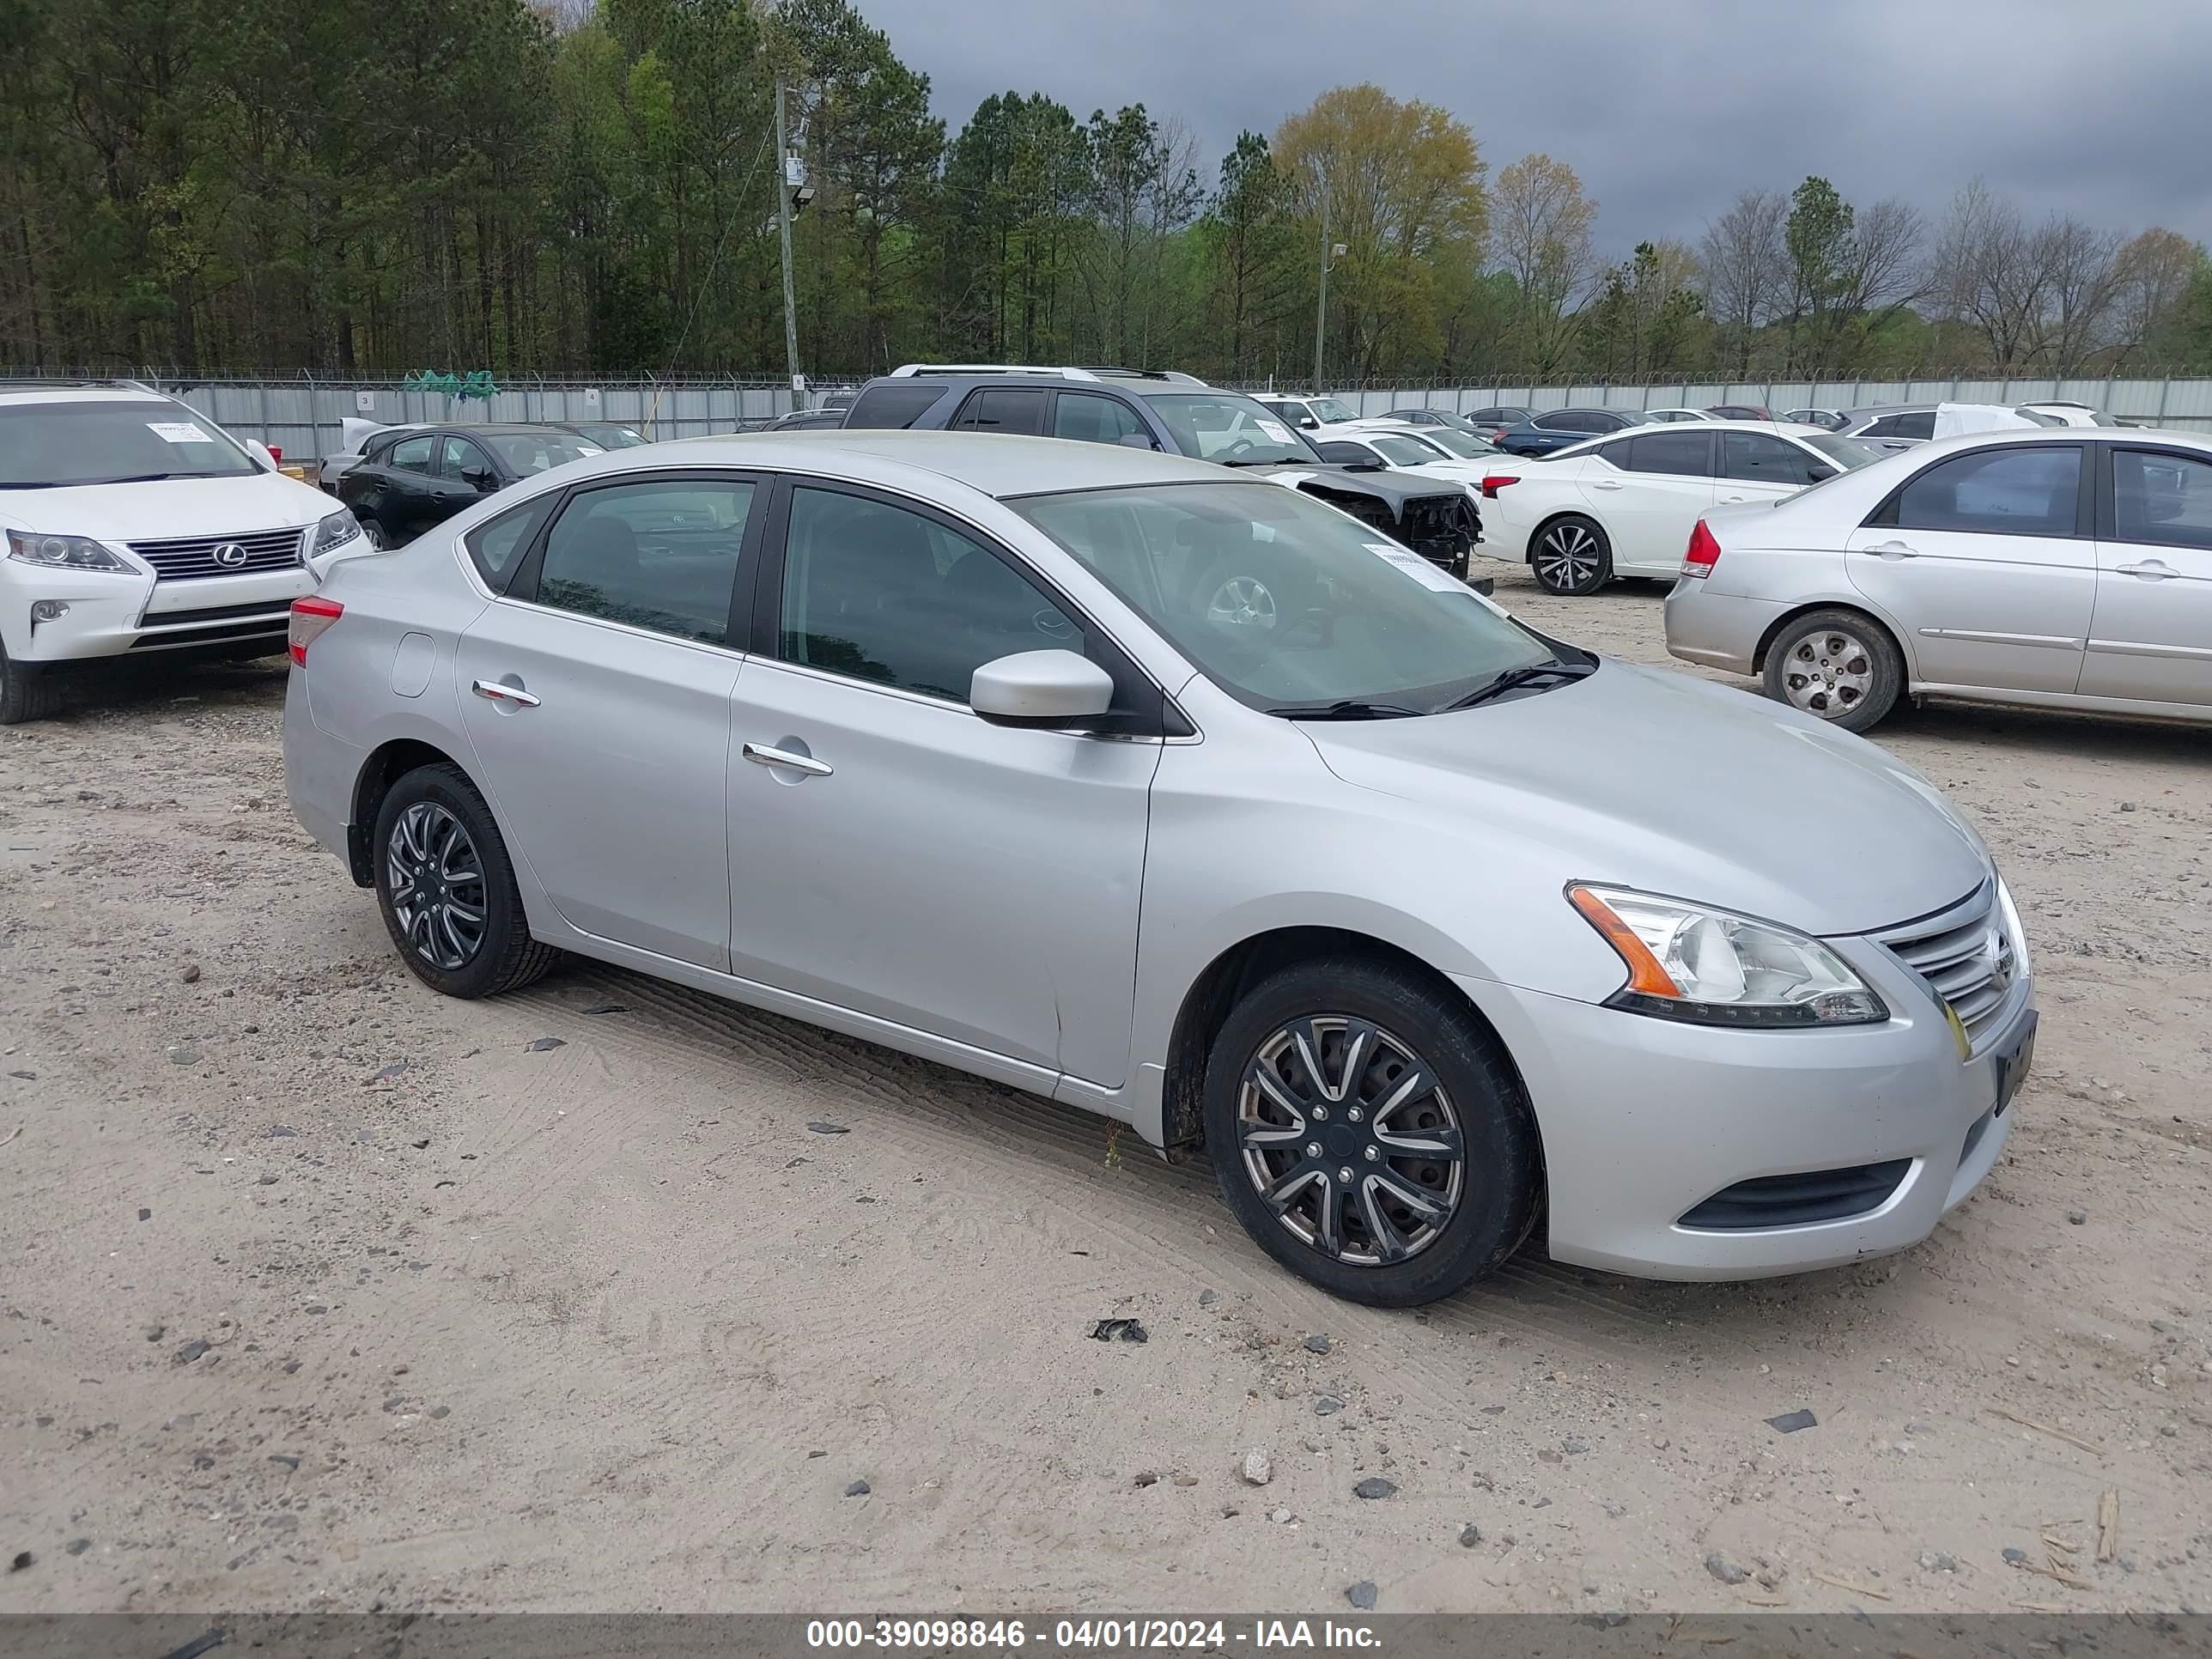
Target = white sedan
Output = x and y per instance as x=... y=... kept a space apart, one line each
x=1624 y=505
x=1434 y=453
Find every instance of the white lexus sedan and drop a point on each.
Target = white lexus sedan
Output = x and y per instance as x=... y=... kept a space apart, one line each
x=1624 y=505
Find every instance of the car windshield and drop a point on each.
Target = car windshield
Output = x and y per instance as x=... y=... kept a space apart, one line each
x=1468 y=448
x=90 y=443
x=1284 y=602
x=526 y=452
x=1328 y=409
x=1222 y=426
x=613 y=437
x=1846 y=453
x=1402 y=448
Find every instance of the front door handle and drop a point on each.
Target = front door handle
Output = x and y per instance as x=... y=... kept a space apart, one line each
x=761 y=754
x=1607 y=484
x=2156 y=570
x=500 y=692
x=1892 y=550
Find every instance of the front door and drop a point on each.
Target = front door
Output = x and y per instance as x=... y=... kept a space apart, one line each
x=597 y=693
x=2151 y=637
x=1649 y=490
x=1985 y=562
x=895 y=854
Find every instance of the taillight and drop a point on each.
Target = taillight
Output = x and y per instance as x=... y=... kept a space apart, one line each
x=277 y=453
x=1496 y=481
x=310 y=616
x=1704 y=553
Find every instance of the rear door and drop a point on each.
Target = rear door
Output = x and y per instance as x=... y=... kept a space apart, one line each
x=596 y=691
x=1002 y=409
x=1648 y=491
x=1757 y=467
x=2151 y=636
x=1986 y=560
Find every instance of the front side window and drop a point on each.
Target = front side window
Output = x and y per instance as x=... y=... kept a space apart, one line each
x=1224 y=426
x=463 y=463
x=2031 y=491
x=61 y=444
x=1686 y=454
x=1757 y=459
x=1283 y=601
x=1003 y=408
x=412 y=455
x=660 y=555
x=875 y=592
x=2162 y=498
x=1330 y=410
x=1402 y=451
x=1089 y=419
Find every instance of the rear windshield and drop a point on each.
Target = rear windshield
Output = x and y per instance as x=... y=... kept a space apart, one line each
x=896 y=404
x=1846 y=453
x=90 y=443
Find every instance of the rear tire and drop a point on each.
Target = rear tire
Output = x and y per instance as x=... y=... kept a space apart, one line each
x=1571 y=556
x=447 y=888
x=1838 y=666
x=374 y=532
x=1407 y=1168
x=28 y=691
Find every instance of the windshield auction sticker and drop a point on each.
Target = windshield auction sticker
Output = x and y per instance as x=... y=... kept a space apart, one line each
x=1417 y=567
x=177 y=432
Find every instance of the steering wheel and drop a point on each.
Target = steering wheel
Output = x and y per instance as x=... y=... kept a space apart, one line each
x=1242 y=446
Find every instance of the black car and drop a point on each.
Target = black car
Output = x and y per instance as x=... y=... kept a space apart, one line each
x=1557 y=427
x=409 y=480
x=1151 y=409
x=1493 y=423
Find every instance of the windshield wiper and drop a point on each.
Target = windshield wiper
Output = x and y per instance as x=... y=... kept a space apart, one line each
x=1513 y=678
x=91 y=483
x=1253 y=460
x=1349 y=708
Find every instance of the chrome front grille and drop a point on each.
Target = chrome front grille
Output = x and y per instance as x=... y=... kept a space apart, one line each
x=192 y=557
x=1965 y=955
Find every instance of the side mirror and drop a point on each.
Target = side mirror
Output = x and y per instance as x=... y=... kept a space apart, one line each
x=1039 y=689
x=479 y=479
x=1307 y=424
x=1821 y=471
x=260 y=452
x=1136 y=441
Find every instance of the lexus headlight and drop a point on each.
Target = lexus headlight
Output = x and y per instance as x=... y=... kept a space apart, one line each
x=1709 y=967
x=62 y=552
x=336 y=530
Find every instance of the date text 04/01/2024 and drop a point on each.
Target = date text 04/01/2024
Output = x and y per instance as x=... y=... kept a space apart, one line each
x=1088 y=1635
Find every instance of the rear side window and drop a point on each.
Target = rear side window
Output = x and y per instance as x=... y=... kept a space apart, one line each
x=661 y=554
x=497 y=544
x=1686 y=454
x=896 y=404
x=2029 y=491
x=1002 y=409
x=1757 y=459
x=1920 y=425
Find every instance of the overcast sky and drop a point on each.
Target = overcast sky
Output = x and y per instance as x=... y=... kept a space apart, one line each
x=2102 y=108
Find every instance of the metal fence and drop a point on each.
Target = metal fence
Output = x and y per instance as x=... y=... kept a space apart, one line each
x=2186 y=404
x=304 y=417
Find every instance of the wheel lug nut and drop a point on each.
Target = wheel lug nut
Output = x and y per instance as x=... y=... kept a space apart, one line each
x=1345 y=1175
x=1321 y=1114
x=1312 y=1149
x=1372 y=1155
x=1353 y=1114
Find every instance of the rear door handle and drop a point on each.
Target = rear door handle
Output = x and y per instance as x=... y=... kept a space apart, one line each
x=500 y=692
x=2156 y=570
x=761 y=754
x=1892 y=550
x=1732 y=501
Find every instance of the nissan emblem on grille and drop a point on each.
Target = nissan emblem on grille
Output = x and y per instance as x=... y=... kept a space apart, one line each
x=229 y=556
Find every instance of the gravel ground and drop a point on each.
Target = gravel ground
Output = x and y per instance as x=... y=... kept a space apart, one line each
x=323 y=1292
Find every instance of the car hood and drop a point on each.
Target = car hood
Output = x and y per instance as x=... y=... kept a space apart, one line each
x=168 y=509
x=1396 y=488
x=1657 y=781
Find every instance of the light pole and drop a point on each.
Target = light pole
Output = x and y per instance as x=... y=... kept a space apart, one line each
x=1329 y=252
x=785 y=184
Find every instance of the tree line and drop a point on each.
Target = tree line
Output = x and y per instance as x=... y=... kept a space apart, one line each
x=368 y=187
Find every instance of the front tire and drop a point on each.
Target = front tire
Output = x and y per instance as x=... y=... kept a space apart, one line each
x=1571 y=556
x=447 y=888
x=1838 y=666
x=1369 y=1133
x=374 y=532
x=27 y=691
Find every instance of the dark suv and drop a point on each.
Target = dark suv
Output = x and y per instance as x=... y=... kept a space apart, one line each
x=1154 y=409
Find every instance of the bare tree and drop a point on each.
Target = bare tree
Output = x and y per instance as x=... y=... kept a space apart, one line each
x=1987 y=273
x=2150 y=276
x=2079 y=289
x=1747 y=268
x=1540 y=227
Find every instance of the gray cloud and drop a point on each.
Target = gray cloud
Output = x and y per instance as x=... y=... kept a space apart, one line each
x=1666 y=107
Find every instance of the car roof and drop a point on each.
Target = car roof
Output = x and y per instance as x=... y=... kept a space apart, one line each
x=66 y=391
x=993 y=463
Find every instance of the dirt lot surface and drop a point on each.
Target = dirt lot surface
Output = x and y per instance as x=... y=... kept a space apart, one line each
x=320 y=1291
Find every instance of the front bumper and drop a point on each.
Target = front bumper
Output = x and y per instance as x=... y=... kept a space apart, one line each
x=1644 y=1120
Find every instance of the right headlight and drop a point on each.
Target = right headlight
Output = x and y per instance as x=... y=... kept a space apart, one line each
x=1708 y=967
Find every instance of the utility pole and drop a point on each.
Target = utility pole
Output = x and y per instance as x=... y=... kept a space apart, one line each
x=783 y=232
x=1329 y=251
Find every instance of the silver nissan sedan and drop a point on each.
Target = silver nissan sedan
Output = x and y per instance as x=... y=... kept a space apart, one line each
x=1177 y=795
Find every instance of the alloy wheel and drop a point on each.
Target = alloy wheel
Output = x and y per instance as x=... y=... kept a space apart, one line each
x=1828 y=673
x=1567 y=557
x=1243 y=602
x=436 y=881
x=1349 y=1137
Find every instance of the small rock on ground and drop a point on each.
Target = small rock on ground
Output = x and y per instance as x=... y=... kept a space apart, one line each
x=1469 y=1536
x=1790 y=1422
x=1257 y=1471
x=1374 y=1487
x=539 y=1045
x=1725 y=1569
x=1361 y=1594
x=1318 y=1343
x=859 y=1489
